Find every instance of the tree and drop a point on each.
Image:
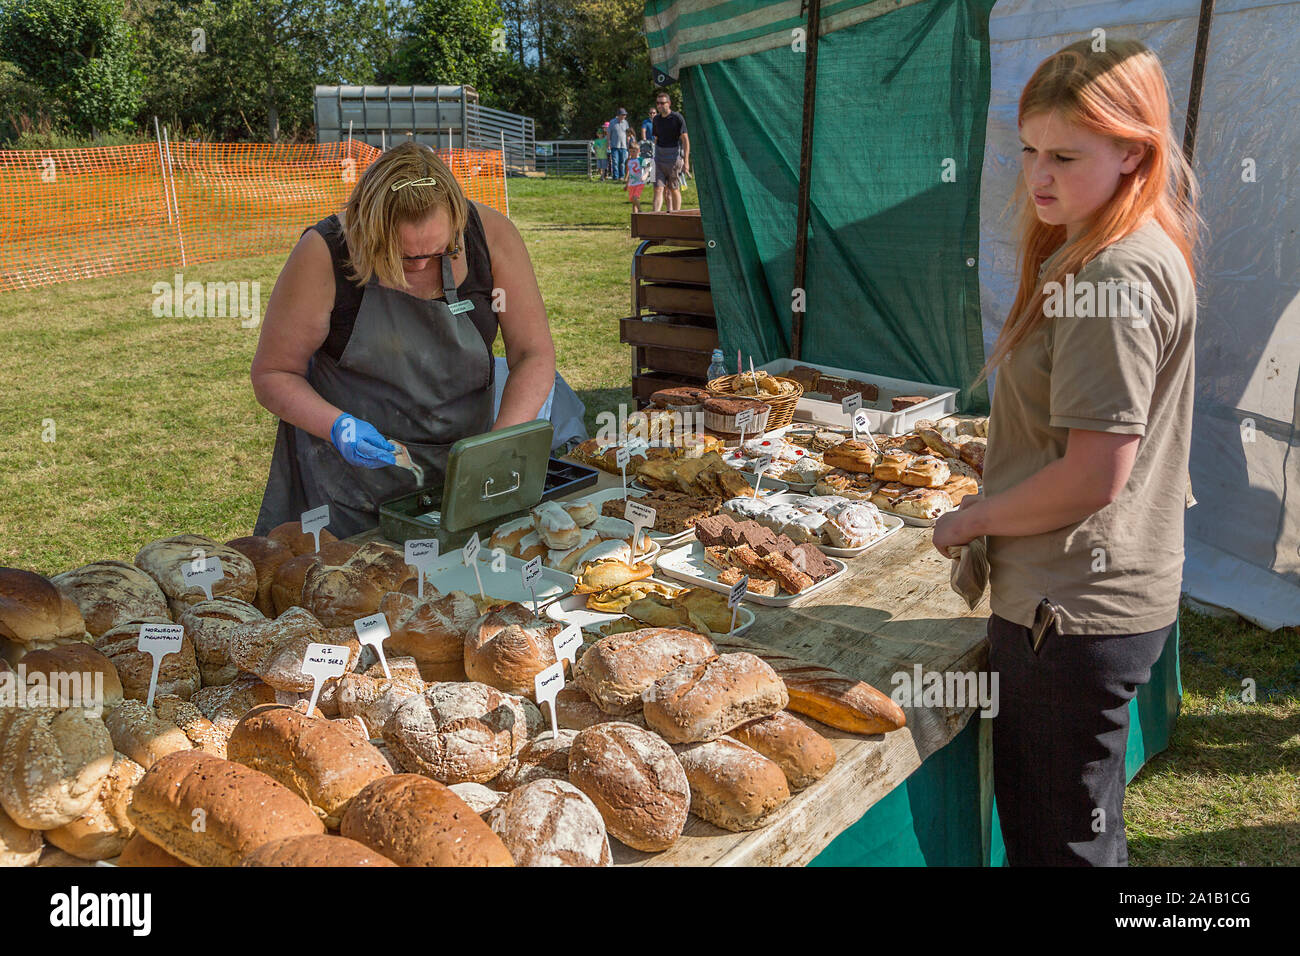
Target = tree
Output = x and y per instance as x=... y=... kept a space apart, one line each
x=457 y=42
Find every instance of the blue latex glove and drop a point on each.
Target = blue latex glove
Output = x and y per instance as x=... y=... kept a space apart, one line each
x=360 y=443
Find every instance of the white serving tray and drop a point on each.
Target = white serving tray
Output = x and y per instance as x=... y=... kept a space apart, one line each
x=893 y=523
x=598 y=498
x=686 y=563
x=449 y=574
x=771 y=486
x=573 y=610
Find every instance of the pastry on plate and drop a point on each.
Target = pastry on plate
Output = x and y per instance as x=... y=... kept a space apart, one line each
x=617 y=600
x=959 y=486
x=583 y=513
x=925 y=471
x=926 y=503
x=507 y=536
x=607 y=565
x=891 y=465
x=766 y=587
x=532 y=546
x=972 y=452
x=937 y=443
x=805 y=526
x=854 y=524
x=888 y=493
x=555 y=526
x=566 y=559
x=851 y=455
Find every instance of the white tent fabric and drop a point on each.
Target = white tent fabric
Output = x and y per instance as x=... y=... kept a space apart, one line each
x=1243 y=539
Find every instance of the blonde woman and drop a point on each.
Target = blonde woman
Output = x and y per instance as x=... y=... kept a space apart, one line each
x=380 y=327
x=1086 y=471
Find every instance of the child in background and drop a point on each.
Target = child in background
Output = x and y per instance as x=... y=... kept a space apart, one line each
x=638 y=172
x=600 y=146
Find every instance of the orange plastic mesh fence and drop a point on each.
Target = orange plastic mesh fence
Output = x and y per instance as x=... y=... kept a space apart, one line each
x=76 y=213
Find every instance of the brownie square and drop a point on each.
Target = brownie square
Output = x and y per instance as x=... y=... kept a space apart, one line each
x=756 y=535
x=809 y=559
x=781 y=544
x=733 y=536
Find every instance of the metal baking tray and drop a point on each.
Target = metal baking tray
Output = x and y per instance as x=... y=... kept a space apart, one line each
x=687 y=563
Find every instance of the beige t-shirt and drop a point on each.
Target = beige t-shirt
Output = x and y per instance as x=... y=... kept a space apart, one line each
x=1102 y=366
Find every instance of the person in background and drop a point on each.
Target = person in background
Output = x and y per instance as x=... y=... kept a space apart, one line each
x=637 y=174
x=618 y=135
x=672 y=153
x=648 y=129
x=600 y=149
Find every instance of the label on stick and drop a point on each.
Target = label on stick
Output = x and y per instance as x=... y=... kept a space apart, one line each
x=738 y=591
x=744 y=419
x=851 y=403
x=567 y=643
x=203 y=573
x=312 y=521
x=421 y=554
x=320 y=662
x=159 y=640
x=469 y=553
x=546 y=686
x=622 y=456
x=532 y=570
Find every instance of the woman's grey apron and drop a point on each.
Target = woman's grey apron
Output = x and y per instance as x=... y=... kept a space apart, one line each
x=419 y=371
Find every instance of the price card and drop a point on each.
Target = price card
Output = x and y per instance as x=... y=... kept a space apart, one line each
x=735 y=596
x=469 y=558
x=312 y=521
x=567 y=643
x=203 y=572
x=546 y=686
x=373 y=631
x=744 y=419
x=851 y=403
x=862 y=423
x=760 y=466
x=531 y=572
x=159 y=640
x=642 y=516
x=320 y=662
x=421 y=553
x=623 y=455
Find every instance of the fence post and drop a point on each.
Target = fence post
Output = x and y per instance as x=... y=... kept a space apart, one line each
x=162 y=172
x=505 y=180
x=180 y=235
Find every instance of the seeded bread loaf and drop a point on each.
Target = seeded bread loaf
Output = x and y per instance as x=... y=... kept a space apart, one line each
x=315 y=851
x=52 y=764
x=732 y=786
x=803 y=755
x=165 y=561
x=702 y=701
x=110 y=593
x=616 y=669
x=102 y=831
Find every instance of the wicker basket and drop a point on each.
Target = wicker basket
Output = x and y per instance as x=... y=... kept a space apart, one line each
x=782 y=405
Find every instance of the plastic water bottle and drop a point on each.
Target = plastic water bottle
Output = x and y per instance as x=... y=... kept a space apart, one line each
x=717 y=368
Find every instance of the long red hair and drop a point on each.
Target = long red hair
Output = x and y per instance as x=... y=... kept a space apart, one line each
x=1120 y=92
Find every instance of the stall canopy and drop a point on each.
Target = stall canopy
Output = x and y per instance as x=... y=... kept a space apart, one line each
x=910 y=251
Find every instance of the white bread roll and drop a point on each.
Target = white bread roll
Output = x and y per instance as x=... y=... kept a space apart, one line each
x=551 y=823
x=52 y=763
x=732 y=786
x=617 y=669
x=102 y=831
x=178 y=675
x=110 y=593
x=165 y=561
x=703 y=701
x=209 y=624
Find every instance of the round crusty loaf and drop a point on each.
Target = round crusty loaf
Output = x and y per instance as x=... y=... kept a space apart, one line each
x=803 y=755
x=574 y=710
x=110 y=593
x=52 y=763
x=480 y=799
x=616 y=669
x=76 y=675
x=315 y=851
x=209 y=624
x=372 y=698
x=454 y=732
x=432 y=631
x=702 y=701
x=266 y=555
x=415 y=821
x=165 y=561
x=291 y=535
x=102 y=831
x=20 y=846
x=179 y=674
x=226 y=704
x=34 y=614
x=140 y=852
x=273 y=650
x=508 y=647
x=542 y=758
x=286 y=581
x=339 y=594
x=317 y=759
x=238 y=809
x=732 y=786
x=551 y=823
x=636 y=782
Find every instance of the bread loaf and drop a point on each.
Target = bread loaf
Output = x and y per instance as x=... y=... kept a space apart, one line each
x=320 y=761
x=457 y=732
x=339 y=594
x=702 y=701
x=140 y=852
x=574 y=710
x=165 y=561
x=636 y=782
x=286 y=581
x=732 y=786
x=209 y=624
x=551 y=823
x=542 y=758
x=76 y=675
x=616 y=669
x=266 y=556
x=143 y=736
x=373 y=699
x=179 y=674
x=239 y=808
x=226 y=704
x=35 y=615
x=432 y=631
x=102 y=831
x=508 y=647
x=315 y=851
x=109 y=593
x=803 y=755
x=273 y=650
x=415 y=821
x=20 y=846
x=291 y=535
x=52 y=763
x=479 y=798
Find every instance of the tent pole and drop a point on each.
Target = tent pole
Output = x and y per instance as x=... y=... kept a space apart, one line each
x=1198 y=78
x=805 y=171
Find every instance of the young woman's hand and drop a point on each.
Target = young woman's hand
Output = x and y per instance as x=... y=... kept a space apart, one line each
x=955 y=528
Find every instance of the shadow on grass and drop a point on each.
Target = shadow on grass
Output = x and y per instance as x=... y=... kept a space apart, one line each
x=1274 y=844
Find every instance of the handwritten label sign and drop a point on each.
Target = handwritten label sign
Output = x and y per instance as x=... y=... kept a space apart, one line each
x=315 y=519
x=320 y=662
x=851 y=403
x=862 y=423
x=373 y=631
x=546 y=687
x=203 y=572
x=760 y=466
x=567 y=644
x=421 y=554
x=622 y=455
x=159 y=640
x=532 y=570
x=744 y=419
x=735 y=596
x=469 y=558
x=642 y=516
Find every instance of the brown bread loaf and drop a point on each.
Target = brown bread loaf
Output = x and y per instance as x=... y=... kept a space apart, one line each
x=52 y=764
x=165 y=561
x=267 y=555
x=19 y=846
x=551 y=823
x=702 y=701
x=110 y=593
x=315 y=851
x=544 y=757
x=415 y=821
x=339 y=594
x=372 y=698
x=226 y=704
x=35 y=615
x=273 y=650
x=480 y=799
x=432 y=631
x=616 y=669
x=803 y=755
x=142 y=735
x=291 y=535
x=76 y=675
x=178 y=675
x=140 y=852
x=732 y=786
x=102 y=831
x=508 y=647
x=286 y=581
x=209 y=624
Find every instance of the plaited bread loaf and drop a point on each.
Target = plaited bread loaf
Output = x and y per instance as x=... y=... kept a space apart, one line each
x=19 y=846
x=76 y=675
x=209 y=625
x=241 y=809
x=266 y=555
x=179 y=674
x=542 y=758
x=480 y=799
x=52 y=763
x=551 y=823
x=616 y=669
x=315 y=851
x=432 y=631
x=415 y=821
x=165 y=561
x=508 y=647
x=803 y=755
x=102 y=831
x=110 y=593
x=291 y=535
x=315 y=758
x=286 y=582
x=226 y=704
x=702 y=701
x=339 y=594
x=273 y=650
x=35 y=615
x=140 y=852
x=373 y=699
x=732 y=786
x=635 y=780
x=456 y=732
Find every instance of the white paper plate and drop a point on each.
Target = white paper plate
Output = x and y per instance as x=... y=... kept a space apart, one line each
x=771 y=486
x=906 y=519
x=573 y=610
x=893 y=523
x=598 y=498
x=448 y=574
x=686 y=563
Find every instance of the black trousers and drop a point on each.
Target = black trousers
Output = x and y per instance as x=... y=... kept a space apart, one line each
x=1059 y=739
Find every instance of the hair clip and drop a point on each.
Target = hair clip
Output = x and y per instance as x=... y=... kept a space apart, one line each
x=427 y=181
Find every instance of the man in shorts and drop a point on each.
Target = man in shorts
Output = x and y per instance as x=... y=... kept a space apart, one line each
x=672 y=153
